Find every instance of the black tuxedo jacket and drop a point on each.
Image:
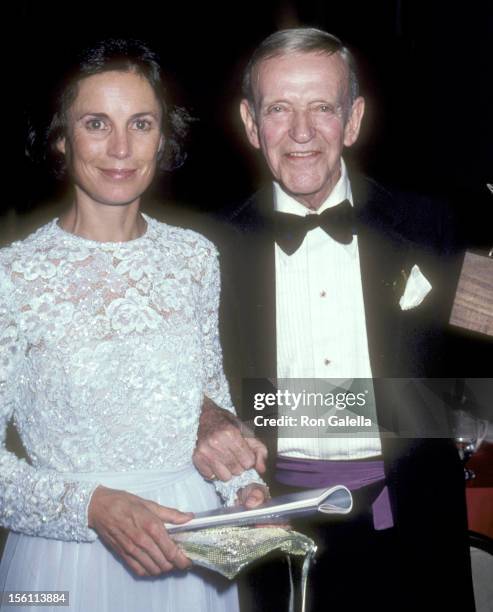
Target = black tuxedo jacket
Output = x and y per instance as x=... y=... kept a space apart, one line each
x=424 y=476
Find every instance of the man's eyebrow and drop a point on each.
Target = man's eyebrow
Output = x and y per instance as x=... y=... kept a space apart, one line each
x=274 y=101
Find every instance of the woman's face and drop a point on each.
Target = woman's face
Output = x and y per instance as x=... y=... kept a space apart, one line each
x=113 y=138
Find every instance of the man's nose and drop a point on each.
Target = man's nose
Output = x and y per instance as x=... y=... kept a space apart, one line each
x=301 y=129
x=119 y=143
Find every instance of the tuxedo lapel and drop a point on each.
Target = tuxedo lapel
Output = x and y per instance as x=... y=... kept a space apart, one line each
x=380 y=266
x=383 y=257
x=259 y=305
x=254 y=263
x=382 y=274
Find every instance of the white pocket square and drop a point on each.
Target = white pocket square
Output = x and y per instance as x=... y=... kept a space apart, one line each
x=417 y=288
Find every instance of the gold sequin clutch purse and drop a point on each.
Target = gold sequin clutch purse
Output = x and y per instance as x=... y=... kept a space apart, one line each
x=228 y=550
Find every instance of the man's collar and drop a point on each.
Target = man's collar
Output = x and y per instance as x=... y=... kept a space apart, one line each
x=342 y=191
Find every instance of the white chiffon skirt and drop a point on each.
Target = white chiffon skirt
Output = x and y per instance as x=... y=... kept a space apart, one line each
x=97 y=581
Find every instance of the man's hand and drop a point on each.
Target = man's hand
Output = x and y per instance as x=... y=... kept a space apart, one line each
x=225 y=446
x=133 y=527
x=253 y=495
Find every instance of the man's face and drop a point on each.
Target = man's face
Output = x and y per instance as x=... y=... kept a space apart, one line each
x=302 y=121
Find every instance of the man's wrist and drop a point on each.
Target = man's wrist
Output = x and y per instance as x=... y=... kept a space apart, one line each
x=209 y=407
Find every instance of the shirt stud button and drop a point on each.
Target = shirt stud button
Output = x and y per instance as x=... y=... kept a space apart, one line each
x=326 y=361
x=323 y=293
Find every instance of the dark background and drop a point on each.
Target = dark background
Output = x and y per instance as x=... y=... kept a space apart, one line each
x=426 y=68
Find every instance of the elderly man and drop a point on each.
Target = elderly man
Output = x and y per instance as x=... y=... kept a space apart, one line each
x=329 y=276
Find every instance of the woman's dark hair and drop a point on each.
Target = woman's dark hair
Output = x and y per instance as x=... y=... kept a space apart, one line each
x=127 y=55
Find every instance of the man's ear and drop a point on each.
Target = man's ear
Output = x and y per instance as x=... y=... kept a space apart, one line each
x=248 y=118
x=60 y=145
x=353 y=124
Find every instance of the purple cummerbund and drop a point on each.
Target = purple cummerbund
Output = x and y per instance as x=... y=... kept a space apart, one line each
x=315 y=474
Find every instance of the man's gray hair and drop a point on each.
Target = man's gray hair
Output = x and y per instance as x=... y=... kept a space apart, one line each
x=299 y=40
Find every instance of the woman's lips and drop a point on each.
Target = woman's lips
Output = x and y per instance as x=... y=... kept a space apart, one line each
x=116 y=174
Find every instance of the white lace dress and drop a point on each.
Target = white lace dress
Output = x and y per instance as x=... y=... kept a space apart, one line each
x=106 y=351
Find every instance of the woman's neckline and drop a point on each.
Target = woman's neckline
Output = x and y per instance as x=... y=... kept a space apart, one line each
x=90 y=242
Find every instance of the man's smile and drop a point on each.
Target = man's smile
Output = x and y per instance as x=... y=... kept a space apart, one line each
x=302 y=154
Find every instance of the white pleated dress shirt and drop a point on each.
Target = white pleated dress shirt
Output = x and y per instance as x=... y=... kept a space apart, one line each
x=321 y=331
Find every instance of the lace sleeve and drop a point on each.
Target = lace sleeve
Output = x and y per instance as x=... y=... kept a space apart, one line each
x=32 y=501
x=216 y=386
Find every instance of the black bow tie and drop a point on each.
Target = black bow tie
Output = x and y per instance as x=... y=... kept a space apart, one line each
x=290 y=230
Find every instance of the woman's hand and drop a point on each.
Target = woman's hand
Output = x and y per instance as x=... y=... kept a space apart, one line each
x=133 y=527
x=253 y=495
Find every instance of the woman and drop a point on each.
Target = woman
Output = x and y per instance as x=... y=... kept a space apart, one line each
x=109 y=344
